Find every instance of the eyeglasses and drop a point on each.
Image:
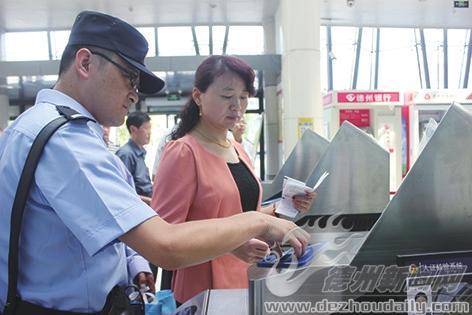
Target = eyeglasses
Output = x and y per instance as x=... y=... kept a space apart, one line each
x=133 y=77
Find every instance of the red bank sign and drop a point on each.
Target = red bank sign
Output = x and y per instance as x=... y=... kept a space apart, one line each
x=368 y=97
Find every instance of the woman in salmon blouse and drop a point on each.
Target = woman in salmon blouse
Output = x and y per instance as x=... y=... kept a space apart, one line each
x=204 y=175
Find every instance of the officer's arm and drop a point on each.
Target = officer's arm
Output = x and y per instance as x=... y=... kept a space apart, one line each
x=174 y=246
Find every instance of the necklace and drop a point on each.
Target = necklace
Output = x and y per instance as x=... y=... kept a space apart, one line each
x=227 y=145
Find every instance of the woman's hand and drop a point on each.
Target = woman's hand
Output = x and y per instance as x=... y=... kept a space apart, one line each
x=252 y=251
x=303 y=202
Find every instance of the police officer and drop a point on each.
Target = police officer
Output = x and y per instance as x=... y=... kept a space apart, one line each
x=82 y=211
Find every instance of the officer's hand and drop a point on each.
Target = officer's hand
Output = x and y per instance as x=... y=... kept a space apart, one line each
x=285 y=232
x=146 y=279
x=252 y=251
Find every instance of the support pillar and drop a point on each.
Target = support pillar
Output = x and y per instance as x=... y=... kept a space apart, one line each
x=4 y=99
x=4 y=111
x=271 y=106
x=301 y=91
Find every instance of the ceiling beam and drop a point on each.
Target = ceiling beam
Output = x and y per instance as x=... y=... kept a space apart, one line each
x=270 y=64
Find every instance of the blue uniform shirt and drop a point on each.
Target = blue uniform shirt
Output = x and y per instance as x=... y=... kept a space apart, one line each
x=81 y=201
x=133 y=157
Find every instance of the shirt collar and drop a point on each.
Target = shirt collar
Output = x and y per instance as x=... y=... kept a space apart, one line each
x=56 y=97
x=136 y=148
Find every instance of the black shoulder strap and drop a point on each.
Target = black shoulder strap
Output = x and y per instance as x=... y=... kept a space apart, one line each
x=22 y=192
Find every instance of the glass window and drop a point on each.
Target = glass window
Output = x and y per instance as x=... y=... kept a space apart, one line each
x=457 y=43
x=59 y=41
x=239 y=43
x=150 y=34
x=256 y=82
x=343 y=55
x=158 y=130
x=175 y=41
x=203 y=34
x=13 y=80
x=49 y=79
x=252 y=138
x=366 y=73
x=253 y=103
x=279 y=41
x=398 y=65
x=435 y=54
x=24 y=46
x=218 y=39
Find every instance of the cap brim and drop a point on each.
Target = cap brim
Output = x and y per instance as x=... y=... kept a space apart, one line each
x=149 y=83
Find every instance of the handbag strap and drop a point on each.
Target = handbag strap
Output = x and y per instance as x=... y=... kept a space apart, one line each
x=22 y=191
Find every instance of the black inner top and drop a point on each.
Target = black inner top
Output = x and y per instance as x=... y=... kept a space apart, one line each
x=247 y=185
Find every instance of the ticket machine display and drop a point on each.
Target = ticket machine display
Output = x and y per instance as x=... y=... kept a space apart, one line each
x=439 y=282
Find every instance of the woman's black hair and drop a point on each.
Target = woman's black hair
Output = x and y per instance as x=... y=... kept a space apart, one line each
x=210 y=69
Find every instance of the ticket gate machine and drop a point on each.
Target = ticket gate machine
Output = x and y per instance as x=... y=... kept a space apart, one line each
x=300 y=163
x=431 y=213
x=358 y=174
x=348 y=204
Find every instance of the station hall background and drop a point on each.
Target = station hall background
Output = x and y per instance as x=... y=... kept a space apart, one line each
x=385 y=66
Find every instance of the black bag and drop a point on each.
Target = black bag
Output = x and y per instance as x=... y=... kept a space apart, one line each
x=117 y=303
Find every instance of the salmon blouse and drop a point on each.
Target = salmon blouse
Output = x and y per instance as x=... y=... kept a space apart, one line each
x=193 y=183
